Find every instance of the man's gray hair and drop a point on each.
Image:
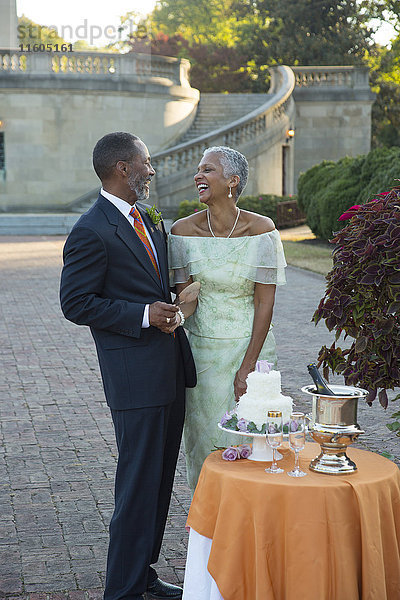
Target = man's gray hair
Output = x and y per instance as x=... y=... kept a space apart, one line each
x=233 y=163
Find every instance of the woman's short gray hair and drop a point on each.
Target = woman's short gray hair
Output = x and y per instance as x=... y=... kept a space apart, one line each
x=233 y=163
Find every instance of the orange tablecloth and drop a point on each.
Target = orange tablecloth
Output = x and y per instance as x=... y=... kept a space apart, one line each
x=320 y=537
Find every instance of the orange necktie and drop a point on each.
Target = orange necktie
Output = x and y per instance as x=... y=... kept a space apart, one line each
x=140 y=230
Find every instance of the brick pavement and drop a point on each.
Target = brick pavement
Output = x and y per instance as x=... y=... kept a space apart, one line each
x=57 y=453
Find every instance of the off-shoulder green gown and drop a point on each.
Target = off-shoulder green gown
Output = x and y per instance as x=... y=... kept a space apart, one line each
x=220 y=329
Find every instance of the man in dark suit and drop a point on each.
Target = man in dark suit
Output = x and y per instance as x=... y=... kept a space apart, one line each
x=115 y=280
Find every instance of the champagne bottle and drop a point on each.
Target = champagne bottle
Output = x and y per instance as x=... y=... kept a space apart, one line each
x=320 y=383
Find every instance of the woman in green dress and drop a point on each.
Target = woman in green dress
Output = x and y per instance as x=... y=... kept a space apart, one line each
x=237 y=257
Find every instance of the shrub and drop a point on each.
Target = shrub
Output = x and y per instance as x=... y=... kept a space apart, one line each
x=263 y=204
x=326 y=190
x=362 y=299
x=188 y=207
x=379 y=172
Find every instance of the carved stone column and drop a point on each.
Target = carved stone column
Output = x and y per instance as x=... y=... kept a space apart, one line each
x=8 y=24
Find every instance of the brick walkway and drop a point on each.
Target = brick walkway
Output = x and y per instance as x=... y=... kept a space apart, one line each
x=57 y=453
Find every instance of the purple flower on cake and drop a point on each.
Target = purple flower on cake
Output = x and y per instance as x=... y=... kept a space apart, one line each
x=263 y=366
x=242 y=425
x=244 y=450
x=294 y=426
x=225 y=418
x=230 y=453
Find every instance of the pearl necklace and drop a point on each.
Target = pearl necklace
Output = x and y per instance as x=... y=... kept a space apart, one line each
x=233 y=228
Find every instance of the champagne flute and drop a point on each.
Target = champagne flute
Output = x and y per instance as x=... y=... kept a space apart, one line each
x=297 y=440
x=274 y=437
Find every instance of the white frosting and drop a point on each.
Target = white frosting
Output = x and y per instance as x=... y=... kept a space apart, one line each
x=258 y=384
x=263 y=394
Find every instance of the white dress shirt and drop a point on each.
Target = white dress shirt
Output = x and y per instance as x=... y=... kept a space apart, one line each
x=125 y=208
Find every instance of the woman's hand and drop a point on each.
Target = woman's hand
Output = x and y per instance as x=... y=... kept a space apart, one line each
x=239 y=384
x=187 y=294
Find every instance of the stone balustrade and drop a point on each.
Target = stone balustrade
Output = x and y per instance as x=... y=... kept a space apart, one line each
x=94 y=65
x=328 y=77
x=12 y=62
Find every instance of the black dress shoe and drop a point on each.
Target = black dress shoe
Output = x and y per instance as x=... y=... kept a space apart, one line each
x=161 y=590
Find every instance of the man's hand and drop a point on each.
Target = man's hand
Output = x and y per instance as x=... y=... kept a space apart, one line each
x=163 y=316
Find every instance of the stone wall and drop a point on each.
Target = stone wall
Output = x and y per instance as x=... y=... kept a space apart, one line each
x=55 y=108
x=333 y=114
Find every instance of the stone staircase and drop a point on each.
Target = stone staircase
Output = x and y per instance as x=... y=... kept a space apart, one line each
x=255 y=124
x=216 y=110
x=235 y=120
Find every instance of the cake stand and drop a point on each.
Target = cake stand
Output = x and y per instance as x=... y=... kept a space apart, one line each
x=261 y=450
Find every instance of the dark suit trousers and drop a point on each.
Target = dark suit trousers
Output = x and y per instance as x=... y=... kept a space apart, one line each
x=148 y=441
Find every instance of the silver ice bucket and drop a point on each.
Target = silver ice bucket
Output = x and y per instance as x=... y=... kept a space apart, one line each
x=333 y=424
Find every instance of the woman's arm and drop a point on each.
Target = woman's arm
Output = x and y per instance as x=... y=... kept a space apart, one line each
x=187 y=308
x=184 y=227
x=264 y=298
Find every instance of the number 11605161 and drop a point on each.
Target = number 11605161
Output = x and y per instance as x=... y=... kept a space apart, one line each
x=45 y=47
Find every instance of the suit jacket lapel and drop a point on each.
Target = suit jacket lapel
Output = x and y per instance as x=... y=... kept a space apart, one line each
x=158 y=239
x=125 y=232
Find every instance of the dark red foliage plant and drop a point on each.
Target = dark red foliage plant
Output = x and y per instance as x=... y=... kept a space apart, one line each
x=362 y=299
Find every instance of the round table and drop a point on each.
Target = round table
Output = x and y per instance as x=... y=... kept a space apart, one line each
x=319 y=537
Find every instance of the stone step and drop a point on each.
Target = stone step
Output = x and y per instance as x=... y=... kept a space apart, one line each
x=216 y=110
x=44 y=223
x=241 y=106
x=37 y=224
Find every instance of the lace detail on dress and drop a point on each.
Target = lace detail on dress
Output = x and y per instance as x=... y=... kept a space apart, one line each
x=258 y=258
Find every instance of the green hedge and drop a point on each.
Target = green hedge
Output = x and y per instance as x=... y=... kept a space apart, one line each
x=327 y=190
x=264 y=204
x=188 y=207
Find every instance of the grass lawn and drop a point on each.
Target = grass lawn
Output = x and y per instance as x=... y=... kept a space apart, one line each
x=309 y=254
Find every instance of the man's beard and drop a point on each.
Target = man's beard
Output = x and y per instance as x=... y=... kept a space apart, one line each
x=137 y=185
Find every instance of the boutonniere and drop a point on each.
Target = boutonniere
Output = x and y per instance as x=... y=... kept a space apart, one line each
x=154 y=214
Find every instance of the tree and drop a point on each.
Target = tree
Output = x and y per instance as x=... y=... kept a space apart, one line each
x=315 y=32
x=261 y=33
x=198 y=21
x=385 y=78
x=215 y=68
x=30 y=32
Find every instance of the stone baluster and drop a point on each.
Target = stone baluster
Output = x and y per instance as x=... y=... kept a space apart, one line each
x=183 y=69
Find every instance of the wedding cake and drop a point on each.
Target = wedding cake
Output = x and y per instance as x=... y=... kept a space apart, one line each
x=263 y=394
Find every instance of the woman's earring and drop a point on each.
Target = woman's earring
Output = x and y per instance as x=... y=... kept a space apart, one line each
x=230 y=192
